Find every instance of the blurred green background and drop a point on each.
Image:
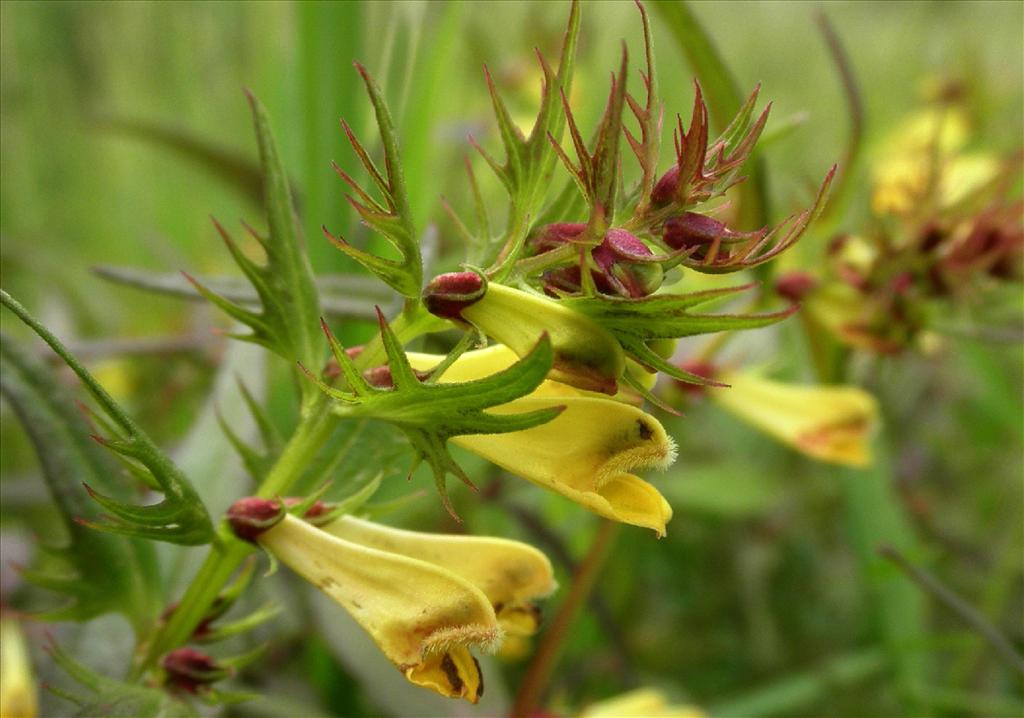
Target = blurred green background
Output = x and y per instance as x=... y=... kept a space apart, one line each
x=767 y=597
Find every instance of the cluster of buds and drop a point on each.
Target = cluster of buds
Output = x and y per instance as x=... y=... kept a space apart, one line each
x=621 y=265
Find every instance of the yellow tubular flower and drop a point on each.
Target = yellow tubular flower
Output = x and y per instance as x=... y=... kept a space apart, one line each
x=424 y=599
x=641 y=703
x=828 y=423
x=586 y=453
x=17 y=684
x=511 y=574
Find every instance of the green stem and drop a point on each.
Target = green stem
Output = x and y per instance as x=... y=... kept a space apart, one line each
x=531 y=690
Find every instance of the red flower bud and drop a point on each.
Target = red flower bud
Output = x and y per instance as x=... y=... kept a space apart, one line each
x=665 y=188
x=553 y=236
x=699 y=368
x=188 y=669
x=693 y=230
x=624 y=268
x=448 y=294
x=251 y=516
x=794 y=286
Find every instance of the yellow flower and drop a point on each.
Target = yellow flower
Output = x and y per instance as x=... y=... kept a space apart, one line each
x=828 y=423
x=17 y=684
x=425 y=599
x=927 y=148
x=586 y=453
x=641 y=703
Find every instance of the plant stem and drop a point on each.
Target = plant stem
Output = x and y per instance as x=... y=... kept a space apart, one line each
x=532 y=688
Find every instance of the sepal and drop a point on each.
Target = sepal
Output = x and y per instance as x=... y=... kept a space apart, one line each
x=430 y=414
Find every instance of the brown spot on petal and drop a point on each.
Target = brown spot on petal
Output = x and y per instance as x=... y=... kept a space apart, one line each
x=451 y=671
x=645 y=431
x=480 y=678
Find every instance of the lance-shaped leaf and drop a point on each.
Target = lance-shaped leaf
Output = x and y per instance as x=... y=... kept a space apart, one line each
x=289 y=306
x=597 y=171
x=180 y=517
x=726 y=253
x=393 y=218
x=429 y=414
x=648 y=117
x=257 y=461
x=530 y=161
x=636 y=323
x=103 y=573
x=105 y=696
x=347 y=296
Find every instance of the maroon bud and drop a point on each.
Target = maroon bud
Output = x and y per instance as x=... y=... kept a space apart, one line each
x=251 y=516
x=699 y=368
x=665 y=188
x=553 y=236
x=189 y=669
x=693 y=230
x=448 y=294
x=380 y=376
x=796 y=285
x=902 y=283
x=624 y=268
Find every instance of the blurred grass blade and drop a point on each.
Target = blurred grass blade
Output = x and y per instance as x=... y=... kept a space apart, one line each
x=854 y=108
x=346 y=296
x=799 y=694
x=723 y=97
x=899 y=610
x=107 y=573
x=233 y=168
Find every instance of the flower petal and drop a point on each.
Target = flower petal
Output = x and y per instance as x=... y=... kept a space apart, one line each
x=422 y=616
x=586 y=453
x=509 y=573
x=829 y=423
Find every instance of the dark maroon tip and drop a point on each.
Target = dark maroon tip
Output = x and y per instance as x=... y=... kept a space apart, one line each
x=251 y=516
x=448 y=294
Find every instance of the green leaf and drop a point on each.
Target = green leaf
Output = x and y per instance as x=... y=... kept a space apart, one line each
x=530 y=161
x=180 y=517
x=635 y=322
x=289 y=304
x=105 y=573
x=107 y=698
x=393 y=220
x=430 y=414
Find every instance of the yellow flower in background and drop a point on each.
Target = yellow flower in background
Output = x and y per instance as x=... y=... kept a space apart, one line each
x=926 y=149
x=425 y=599
x=828 y=423
x=18 y=697
x=586 y=453
x=641 y=703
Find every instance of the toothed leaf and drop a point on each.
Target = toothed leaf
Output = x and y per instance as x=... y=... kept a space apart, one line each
x=181 y=516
